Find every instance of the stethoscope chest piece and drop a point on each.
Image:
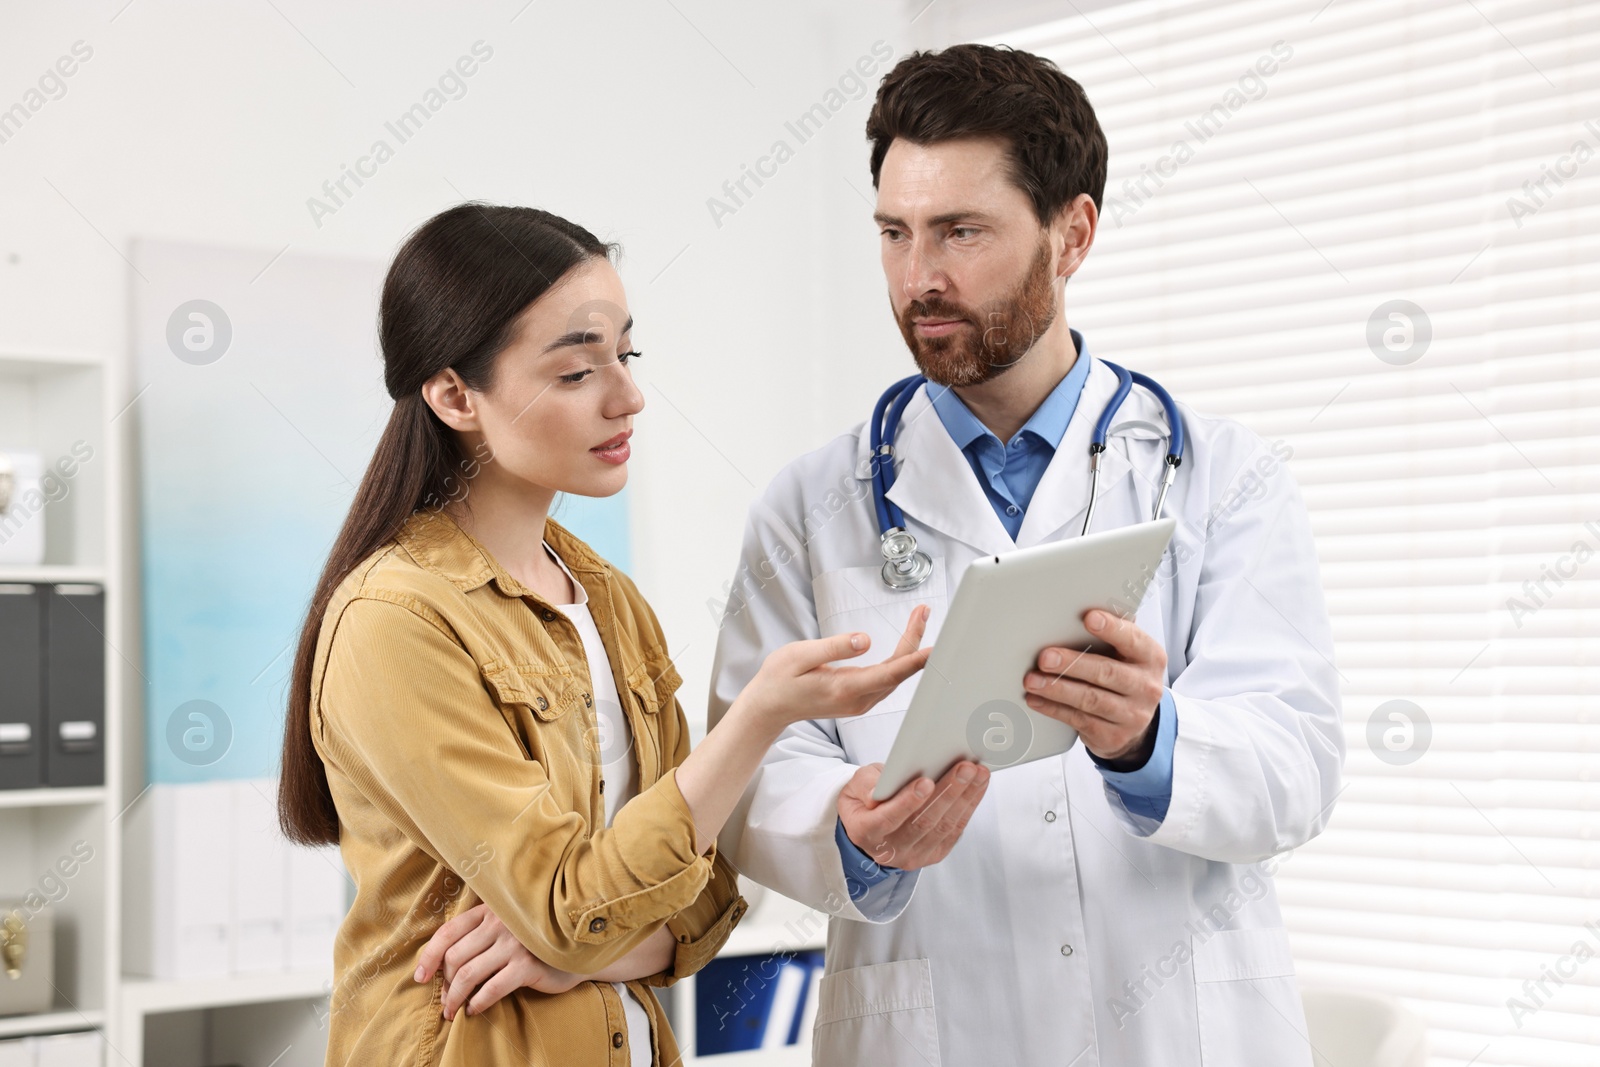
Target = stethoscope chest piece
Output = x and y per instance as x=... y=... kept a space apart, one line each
x=904 y=565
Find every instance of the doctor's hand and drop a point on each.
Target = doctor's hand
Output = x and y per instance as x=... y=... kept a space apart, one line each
x=798 y=682
x=483 y=963
x=919 y=825
x=1111 y=702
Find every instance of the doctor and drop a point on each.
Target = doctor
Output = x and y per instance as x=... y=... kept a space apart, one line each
x=1112 y=906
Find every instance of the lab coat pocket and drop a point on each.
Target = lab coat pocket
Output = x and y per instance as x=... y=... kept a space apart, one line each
x=855 y=598
x=868 y=738
x=1248 y=1001
x=854 y=593
x=882 y=1015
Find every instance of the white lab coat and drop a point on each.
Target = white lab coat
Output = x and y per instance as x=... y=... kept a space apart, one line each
x=1061 y=929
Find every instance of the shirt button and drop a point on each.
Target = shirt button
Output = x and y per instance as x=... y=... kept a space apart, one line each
x=596 y=925
x=542 y=703
x=587 y=702
x=616 y=1039
x=1049 y=816
x=547 y=615
x=1012 y=509
x=1066 y=950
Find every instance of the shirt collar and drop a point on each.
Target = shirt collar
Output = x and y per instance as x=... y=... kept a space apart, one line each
x=1048 y=422
x=439 y=544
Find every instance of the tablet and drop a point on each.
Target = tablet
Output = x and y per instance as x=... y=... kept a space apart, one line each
x=969 y=702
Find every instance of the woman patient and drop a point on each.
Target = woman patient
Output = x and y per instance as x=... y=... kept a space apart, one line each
x=483 y=712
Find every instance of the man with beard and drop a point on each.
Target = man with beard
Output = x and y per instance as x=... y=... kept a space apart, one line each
x=1113 y=905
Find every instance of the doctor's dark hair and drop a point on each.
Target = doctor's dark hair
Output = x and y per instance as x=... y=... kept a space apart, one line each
x=1056 y=148
x=451 y=299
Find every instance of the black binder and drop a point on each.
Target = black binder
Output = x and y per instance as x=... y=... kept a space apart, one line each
x=21 y=686
x=75 y=686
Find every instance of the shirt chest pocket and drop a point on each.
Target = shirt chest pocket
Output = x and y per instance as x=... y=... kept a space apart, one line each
x=538 y=706
x=857 y=599
x=651 y=685
x=650 y=688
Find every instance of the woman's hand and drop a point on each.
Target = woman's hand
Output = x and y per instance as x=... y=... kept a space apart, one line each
x=794 y=684
x=479 y=953
x=796 y=681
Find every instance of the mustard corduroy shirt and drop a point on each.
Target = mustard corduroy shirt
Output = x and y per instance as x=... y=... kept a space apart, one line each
x=453 y=710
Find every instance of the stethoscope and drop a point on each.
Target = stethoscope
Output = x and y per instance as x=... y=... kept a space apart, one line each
x=905 y=566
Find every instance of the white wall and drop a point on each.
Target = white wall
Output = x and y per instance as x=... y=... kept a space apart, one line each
x=210 y=122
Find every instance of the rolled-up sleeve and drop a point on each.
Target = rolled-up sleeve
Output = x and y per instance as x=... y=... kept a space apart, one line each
x=702 y=928
x=402 y=711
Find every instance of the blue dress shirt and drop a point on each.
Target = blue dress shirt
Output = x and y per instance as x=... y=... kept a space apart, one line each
x=1009 y=472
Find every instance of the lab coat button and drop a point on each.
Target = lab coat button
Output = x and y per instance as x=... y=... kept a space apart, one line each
x=1049 y=816
x=596 y=925
x=1066 y=950
x=616 y=1039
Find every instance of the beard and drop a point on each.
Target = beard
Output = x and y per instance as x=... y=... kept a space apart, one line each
x=991 y=339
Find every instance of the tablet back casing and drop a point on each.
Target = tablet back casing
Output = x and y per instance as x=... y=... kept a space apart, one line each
x=969 y=702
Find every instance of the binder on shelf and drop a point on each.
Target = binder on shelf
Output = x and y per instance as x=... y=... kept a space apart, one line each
x=178 y=896
x=75 y=686
x=260 y=858
x=316 y=905
x=21 y=687
x=213 y=888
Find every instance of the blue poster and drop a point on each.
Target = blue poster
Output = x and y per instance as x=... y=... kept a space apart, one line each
x=257 y=397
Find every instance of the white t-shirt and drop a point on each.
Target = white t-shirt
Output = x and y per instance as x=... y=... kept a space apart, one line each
x=618 y=769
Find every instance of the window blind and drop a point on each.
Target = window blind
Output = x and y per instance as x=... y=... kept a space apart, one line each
x=1371 y=229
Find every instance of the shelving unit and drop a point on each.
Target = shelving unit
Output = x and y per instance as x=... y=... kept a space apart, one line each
x=50 y=401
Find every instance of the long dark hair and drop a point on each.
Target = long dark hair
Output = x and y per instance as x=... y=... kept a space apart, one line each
x=451 y=299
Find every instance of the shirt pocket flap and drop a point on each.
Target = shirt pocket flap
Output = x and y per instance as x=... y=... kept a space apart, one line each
x=653 y=683
x=1231 y=955
x=548 y=696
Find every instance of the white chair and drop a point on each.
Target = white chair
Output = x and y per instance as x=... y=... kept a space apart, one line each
x=1349 y=1029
